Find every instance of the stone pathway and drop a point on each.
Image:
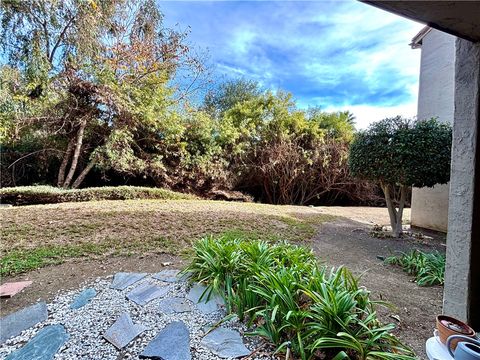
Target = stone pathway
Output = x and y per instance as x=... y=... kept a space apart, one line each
x=225 y=343
x=173 y=342
x=206 y=303
x=83 y=298
x=13 y=324
x=132 y=316
x=123 y=331
x=43 y=346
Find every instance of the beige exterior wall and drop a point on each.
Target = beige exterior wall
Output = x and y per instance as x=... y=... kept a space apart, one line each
x=430 y=207
x=435 y=99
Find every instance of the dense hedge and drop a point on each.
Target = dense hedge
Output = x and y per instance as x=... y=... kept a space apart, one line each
x=30 y=195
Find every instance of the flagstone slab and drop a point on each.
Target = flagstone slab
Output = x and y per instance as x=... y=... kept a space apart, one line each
x=123 y=331
x=43 y=346
x=171 y=343
x=13 y=324
x=12 y=288
x=174 y=305
x=123 y=280
x=168 y=275
x=206 y=307
x=145 y=293
x=83 y=298
x=226 y=343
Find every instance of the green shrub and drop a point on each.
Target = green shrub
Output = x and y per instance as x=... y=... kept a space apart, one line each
x=287 y=298
x=398 y=154
x=29 y=195
x=428 y=268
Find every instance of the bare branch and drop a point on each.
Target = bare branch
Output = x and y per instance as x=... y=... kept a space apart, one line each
x=31 y=154
x=60 y=39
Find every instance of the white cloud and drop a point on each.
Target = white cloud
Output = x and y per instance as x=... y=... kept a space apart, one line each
x=241 y=40
x=367 y=114
x=327 y=53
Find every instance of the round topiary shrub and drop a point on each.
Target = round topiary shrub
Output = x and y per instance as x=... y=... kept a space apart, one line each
x=399 y=153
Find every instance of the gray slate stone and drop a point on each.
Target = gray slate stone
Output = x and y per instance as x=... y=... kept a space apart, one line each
x=171 y=343
x=225 y=343
x=43 y=346
x=168 y=275
x=123 y=280
x=174 y=305
x=145 y=293
x=13 y=324
x=83 y=298
x=123 y=331
x=206 y=307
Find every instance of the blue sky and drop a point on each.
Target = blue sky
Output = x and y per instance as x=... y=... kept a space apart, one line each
x=334 y=54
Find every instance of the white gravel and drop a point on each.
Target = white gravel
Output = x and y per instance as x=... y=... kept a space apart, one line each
x=87 y=324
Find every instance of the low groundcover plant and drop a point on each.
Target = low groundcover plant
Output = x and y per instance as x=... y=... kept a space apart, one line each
x=285 y=297
x=428 y=268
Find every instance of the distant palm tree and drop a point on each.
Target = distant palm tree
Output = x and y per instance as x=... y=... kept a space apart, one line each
x=349 y=117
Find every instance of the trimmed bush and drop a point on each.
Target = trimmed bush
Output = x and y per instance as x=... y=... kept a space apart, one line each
x=30 y=195
x=284 y=296
x=399 y=153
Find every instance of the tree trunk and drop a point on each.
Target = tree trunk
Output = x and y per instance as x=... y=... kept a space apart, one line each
x=84 y=173
x=401 y=205
x=396 y=216
x=63 y=166
x=267 y=190
x=76 y=154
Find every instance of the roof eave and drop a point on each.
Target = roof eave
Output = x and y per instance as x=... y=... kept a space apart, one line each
x=417 y=40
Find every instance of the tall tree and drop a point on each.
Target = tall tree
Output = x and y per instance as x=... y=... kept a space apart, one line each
x=399 y=153
x=103 y=68
x=228 y=94
x=338 y=125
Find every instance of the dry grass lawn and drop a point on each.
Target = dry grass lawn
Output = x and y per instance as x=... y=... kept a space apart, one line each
x=35 y=236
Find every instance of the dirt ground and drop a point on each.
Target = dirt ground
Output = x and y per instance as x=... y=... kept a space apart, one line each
x=362 y=214
x=347 y=242
x=339 y=242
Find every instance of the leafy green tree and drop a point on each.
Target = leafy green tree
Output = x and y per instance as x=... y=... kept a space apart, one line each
x=350 y=117
x=263 y=119
x=338 y=125
x=39 y=36
x=98 y=73
x=228 y=94
x=277 y=150
x=399 y=153
x=9 y=104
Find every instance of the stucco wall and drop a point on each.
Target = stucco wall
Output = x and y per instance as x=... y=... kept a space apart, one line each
x=462 y=272
x=435 y=99
x=430 y=207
